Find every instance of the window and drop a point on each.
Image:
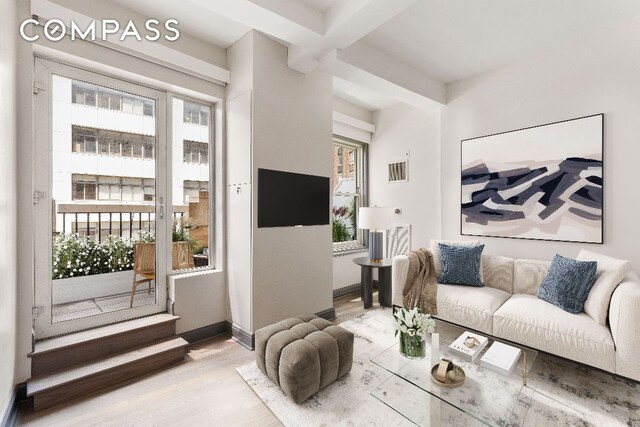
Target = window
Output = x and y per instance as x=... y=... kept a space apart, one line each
x=195 y=113
x=195 y=152
x=83 y=94
x=193 y=190
x=83 y=188
x=348 y=193
x=192 y=174
x=111 y=143
x=112 y=188
x=87 y=94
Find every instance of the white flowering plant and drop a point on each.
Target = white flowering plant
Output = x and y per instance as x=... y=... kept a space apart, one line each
x=74 y=255
x=413 y=322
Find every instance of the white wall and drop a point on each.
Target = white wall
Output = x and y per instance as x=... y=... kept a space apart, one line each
x=8 y=200
x=292 y=131
x=350 y=109
x=399 y=129
x=601 y=75
x=24 y=253
x=345 y=272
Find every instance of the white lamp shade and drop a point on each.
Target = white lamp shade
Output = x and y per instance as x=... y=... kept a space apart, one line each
x=375 y=218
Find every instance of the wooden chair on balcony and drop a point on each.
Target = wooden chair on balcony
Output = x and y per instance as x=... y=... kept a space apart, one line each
x=144 y=265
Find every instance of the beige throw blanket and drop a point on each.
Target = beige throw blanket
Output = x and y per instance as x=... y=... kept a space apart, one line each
x=421 y=287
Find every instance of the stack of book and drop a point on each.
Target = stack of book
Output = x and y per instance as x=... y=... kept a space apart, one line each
x=459 y=348
x=501 y=357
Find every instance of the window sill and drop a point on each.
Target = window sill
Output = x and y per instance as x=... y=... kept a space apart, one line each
x=193 y=272
x=350 y=251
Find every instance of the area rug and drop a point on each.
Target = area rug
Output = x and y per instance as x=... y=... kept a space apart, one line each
x=347 y=401
x=559 y=392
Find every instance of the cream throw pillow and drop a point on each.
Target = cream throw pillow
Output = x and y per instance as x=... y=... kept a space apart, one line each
x=435 y=251
x=609 y=273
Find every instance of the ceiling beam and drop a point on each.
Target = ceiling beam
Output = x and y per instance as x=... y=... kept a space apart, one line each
x=287 y=20
x=371 y=68
x=346 y=22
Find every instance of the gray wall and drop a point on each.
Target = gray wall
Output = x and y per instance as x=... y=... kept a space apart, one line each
x=292 y=131
x=598 y=76
x=291 y=267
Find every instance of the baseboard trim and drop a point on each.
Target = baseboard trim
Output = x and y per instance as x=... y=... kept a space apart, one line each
x=205 y=332
x=337 y=293
x=248 y=340
x=10 y=416
x=239 y=335
x=350 y=289
x=329 y=313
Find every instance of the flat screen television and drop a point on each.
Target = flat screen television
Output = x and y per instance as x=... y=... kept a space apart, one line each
x=288 y=199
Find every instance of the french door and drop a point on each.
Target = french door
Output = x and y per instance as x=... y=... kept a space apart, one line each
x=100 y=187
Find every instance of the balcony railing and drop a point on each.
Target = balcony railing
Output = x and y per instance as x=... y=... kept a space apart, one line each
x=102 y=220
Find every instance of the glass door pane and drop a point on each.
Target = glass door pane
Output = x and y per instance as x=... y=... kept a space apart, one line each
x=103 y=261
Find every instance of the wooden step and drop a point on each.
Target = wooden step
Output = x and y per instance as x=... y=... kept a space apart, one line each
x=59 y=353
x=58 y=387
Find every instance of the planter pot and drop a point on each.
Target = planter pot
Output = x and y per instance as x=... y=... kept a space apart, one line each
x=412 y=347
x=82 y=288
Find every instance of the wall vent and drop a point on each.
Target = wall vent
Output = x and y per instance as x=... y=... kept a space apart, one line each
x=398 y=171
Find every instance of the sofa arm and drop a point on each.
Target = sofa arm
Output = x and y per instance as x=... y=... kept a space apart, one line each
x=624 y=318
x=399 y=272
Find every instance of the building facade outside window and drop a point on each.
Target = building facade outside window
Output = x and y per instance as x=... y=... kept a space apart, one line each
x=195 y=152
x=112 y=188
x=104 y=142
x=101 y=97
x=196 y=113
x=349 y=192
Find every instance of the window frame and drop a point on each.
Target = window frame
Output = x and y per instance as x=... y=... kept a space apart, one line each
x=211 y=106
x=361 y=158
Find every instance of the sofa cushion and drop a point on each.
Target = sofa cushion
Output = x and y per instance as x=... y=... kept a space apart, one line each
x=609 y=273
x=460 y=264
x=568 y=282
x=533 y=322
x=498 y=272
x=470 y=306
x=435 y=251
x=528 y=274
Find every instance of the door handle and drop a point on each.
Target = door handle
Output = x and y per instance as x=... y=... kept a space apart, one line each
x=160 y=207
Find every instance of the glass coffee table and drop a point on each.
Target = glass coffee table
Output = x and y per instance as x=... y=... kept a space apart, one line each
x=487 y=397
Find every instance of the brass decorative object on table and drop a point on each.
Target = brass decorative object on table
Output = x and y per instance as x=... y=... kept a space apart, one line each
x=447 y=374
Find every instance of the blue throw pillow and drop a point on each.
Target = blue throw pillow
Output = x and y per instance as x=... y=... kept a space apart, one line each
x=460 y=264
x=568 y=282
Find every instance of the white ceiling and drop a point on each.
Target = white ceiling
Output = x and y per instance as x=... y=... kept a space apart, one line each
x=456 y=39
x=320 y=5
x=193 y=19
x=387 y=51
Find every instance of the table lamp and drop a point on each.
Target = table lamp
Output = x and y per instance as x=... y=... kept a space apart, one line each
x=376 y=220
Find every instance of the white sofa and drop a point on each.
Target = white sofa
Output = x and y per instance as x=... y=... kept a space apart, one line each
x=508 y=308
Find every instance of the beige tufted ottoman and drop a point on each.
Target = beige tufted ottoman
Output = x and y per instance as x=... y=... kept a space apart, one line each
x=304 y=354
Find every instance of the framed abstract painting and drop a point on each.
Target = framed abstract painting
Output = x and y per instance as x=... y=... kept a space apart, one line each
x=544 y=182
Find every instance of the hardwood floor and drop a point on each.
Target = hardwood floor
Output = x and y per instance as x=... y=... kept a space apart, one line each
x=203 y=390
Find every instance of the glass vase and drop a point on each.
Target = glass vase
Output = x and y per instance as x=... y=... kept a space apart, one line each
x=412 y=346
